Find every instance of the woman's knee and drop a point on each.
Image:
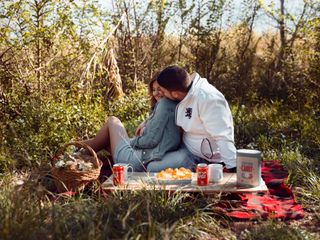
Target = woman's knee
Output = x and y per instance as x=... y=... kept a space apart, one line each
x=113 y=120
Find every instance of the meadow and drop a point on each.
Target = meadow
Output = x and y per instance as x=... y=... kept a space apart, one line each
x=65 y=67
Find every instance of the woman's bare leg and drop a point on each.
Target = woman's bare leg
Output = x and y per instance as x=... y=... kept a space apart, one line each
x=108 y=136
x=117 y=133
x=101 y=140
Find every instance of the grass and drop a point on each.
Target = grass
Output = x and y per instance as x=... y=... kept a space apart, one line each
x=29 y=211
x=123 y=215
x=275 y=230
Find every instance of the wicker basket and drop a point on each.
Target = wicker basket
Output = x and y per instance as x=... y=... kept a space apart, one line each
x=75 y=180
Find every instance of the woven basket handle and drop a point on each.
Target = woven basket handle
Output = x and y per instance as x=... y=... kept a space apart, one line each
x=77 y=144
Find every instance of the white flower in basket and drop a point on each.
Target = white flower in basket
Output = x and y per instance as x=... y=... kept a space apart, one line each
x=60 y=164
x=72 y=172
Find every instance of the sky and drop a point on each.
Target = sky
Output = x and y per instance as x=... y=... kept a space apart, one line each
x=263 y=23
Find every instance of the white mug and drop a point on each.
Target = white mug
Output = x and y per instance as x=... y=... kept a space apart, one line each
x=126 y=172
x=215 y=172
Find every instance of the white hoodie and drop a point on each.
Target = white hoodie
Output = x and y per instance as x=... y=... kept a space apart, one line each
x=204 y=114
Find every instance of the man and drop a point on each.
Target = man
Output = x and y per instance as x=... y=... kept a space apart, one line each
x=204 y=115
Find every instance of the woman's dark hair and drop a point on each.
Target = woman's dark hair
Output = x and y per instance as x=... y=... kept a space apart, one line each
x=154 y=78
x=174 y=78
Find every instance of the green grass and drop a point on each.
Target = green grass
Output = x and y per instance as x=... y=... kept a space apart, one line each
x=275 y=230
x=28 y=213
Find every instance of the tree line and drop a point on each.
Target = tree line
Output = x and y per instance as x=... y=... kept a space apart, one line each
x=60 y=51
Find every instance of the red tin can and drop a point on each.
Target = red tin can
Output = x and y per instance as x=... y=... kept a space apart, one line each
x=202 y=174
x=118 y=175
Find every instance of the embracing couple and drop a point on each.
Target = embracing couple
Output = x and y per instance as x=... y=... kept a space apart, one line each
x=190 y=123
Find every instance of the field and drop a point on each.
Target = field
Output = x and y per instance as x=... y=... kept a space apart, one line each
x=65 y=67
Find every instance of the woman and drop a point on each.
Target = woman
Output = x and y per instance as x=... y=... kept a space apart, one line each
x=156 y=136
x=155 y=94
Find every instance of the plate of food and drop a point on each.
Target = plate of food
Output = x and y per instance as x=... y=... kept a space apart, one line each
x=174 y=176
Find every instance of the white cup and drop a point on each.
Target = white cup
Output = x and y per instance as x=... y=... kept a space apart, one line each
x=215 y=172
x=126 y=172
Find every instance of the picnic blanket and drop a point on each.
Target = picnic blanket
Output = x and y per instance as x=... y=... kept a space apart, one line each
x=278 y=203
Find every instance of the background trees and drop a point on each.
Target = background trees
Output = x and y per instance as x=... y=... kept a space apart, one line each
x=65 y=64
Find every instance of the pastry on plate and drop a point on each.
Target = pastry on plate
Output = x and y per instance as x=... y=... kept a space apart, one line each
x=174 y=174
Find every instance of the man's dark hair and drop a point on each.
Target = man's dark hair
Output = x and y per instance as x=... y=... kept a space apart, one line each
x=174 y=78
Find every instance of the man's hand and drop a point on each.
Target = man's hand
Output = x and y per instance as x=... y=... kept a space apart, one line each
x=140 y=129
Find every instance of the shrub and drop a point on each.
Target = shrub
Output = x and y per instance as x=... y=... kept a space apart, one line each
x=45 y=125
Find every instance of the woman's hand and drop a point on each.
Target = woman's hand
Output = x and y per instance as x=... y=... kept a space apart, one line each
x=140 y=129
